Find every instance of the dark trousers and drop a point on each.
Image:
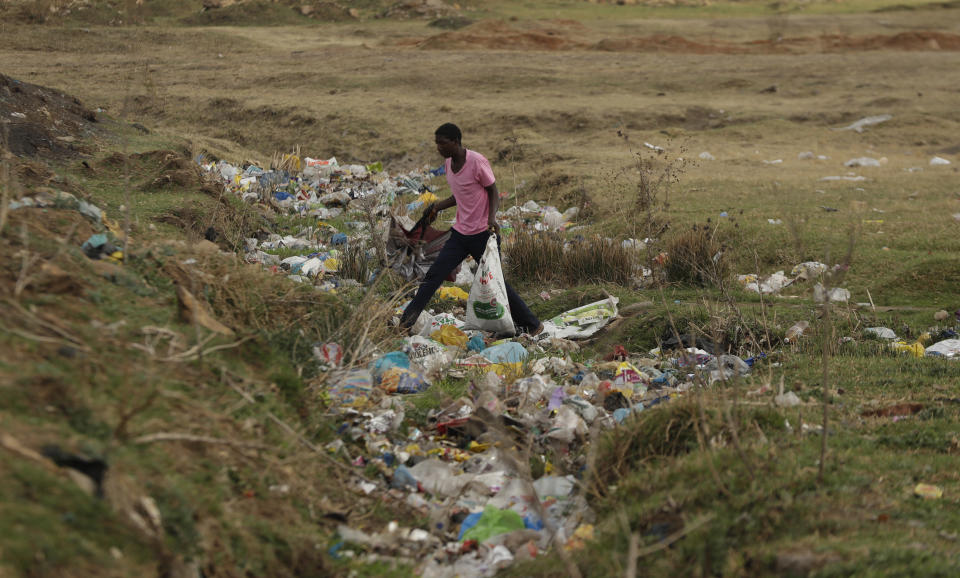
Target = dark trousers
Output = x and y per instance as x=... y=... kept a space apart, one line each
x=454 y=251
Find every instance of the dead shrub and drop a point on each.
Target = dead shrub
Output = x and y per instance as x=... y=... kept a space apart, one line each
x=229 y=221
x=697 y=256
x=546 y=257
x=248 y=299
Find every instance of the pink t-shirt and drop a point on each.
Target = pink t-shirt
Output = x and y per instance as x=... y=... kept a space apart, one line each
x=467 y=186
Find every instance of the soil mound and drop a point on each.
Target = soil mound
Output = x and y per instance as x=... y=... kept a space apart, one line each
x=420 y=9
x=498 y=35
x=664 y=43
x=914 y=41
x=155 y=170
x=39 y=122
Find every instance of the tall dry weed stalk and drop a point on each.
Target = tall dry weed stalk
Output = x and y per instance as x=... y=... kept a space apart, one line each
x=290 y=162
x=366 y=328
x=513 y=153
x=648 y=187
x=644 y=186
x=6 y=178
x=355 y=263
x=831 y=279
x=127 y=198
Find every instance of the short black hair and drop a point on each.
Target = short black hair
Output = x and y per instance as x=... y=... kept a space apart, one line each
x=449 y=131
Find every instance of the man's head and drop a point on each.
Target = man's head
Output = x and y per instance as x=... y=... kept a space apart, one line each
x=447 y=137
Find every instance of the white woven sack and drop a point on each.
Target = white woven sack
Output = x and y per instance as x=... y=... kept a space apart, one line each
x=487 y=306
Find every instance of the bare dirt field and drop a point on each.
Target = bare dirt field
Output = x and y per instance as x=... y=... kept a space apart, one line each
x=561 y=105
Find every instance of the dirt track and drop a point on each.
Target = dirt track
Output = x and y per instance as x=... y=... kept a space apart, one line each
x=567 y=35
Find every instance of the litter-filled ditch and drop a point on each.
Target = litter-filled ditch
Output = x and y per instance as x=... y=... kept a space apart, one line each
x=498 y=471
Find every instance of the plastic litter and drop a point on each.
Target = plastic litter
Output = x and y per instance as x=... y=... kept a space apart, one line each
x=788 y=399
x=583 y=321
x=476 y=343
x=452 y=293
x=351 y=388
x=949 y=348
x=403 y=380
x=492 y=522
x=928 y=491
x=881 y=332
x=797 y=330
x=329 y=355
x=916 y=349
x=866 y=121
x=834 y=294
x=450 y=335
x=866 y=162
x=510 y=352
x=389 y=361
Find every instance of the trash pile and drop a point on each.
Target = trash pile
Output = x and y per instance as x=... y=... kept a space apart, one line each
x=468 y=470
x=775 y=283
x=467 y=467
x=347 y=200
x=497 y=469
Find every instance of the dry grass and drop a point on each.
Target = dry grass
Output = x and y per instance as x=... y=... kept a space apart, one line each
x=697 y=256
x=228 y=220
x=543 y=257
x=356 y=263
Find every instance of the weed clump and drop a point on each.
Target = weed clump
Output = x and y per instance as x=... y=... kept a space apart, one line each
x=356 y=262
x=674 y=429
x=697 y=257
x=544 y=257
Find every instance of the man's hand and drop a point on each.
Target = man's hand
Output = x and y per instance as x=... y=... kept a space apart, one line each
x=494 y=227
x=431 y=213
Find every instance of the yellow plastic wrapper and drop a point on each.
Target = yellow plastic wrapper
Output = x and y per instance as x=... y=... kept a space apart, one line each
x=583 y=534
x=507 y=371
x=114 y=227
x=452 y=293
x=914 y=349
x=293 y=161
x=331 y=264
x=450 y=335
x=928 y=491
x=427 y=198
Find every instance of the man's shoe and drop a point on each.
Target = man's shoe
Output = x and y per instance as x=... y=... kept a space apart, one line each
x=537 y=331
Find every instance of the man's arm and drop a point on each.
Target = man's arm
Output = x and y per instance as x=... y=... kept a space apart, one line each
x=445 y=204
x=435 y=208
x=493 y=195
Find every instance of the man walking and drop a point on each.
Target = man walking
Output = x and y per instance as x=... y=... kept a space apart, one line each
x=476 y=197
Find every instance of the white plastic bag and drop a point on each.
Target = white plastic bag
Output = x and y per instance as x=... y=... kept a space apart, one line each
x=487 y=306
